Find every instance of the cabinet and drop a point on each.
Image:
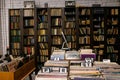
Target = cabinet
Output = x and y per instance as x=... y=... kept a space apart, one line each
x=20 y=73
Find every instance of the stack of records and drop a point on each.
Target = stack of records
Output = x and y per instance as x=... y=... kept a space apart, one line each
x=51 y=76
x=56 y=63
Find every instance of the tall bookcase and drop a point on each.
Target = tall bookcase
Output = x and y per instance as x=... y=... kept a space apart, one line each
x=28 y=31
x=56 y=26
x=112 y=33
x=84 y=27
x=70 y=26
x=15 y=32
x=98 y=31
x=42 y=35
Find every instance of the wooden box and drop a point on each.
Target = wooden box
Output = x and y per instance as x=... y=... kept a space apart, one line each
x=20 y=73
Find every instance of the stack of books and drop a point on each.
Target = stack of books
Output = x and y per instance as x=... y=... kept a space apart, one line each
x=56 y=68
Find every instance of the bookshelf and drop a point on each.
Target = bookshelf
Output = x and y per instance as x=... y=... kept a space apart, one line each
x=15 y=31
x=42 y=35
x=28 y=31
x=84 y=27
x=56 y=26
x=112 y=33
x=70 y=26
x=98 y=31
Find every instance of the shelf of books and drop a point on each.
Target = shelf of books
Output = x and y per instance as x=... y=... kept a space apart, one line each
x=112 y=33
x=28 y=31
x=42 y=35
x=15 y=32
x=84 y=27
x=70 y=26
x=98 y=31
x=56 y=24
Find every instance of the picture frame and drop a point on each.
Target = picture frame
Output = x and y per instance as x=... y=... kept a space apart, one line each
x=29 y=4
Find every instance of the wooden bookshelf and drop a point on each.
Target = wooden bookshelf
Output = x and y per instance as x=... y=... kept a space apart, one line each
x=112 y=33
x=15 y=31
x=56 y=26
x=98 y=31
x=84 y=27
x=42 y=35
x=70 y=26
x=21 y=73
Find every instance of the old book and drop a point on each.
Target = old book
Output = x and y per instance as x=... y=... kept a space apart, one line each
x=54 y=63
x=72 y=55
x=58 y=55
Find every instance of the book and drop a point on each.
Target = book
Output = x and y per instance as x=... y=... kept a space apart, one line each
x=72 y=55
x=58 y=54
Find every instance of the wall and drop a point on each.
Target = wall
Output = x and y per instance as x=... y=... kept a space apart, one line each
x=7 y=4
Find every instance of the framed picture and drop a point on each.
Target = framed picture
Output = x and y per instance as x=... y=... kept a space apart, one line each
x=29 y=4
x=69 y=3
x=46 y=69
x=63 y=70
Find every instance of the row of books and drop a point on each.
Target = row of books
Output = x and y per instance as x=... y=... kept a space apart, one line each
x=42 y=25
x=43 y=45
x=29 y=31
x=70 y=12
x=111 y=49
x=29 y=41
x=43 y=38
x=84 y=30
x=14 y=25
x=15 y=19
x=15 y=45
x=70 y=25
x=111 y=40
x=98 y=38
x=15 y=52
x=57 y=40
x=15 y=32
x=42 y=18
x=56 y=31
x=112 y=31
x=15 y=12
x=43 y=58
x=99 y=31
x=56 y=21
x=70 y=31
x=56 y=12
x=84 y=40
x=15 y=39
x=29 y=50
x=114 y=11
x=84 y=22
x=43 y=52
x=28 y=12
x=29 y=22
x=85 y=12
x=42 y=32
